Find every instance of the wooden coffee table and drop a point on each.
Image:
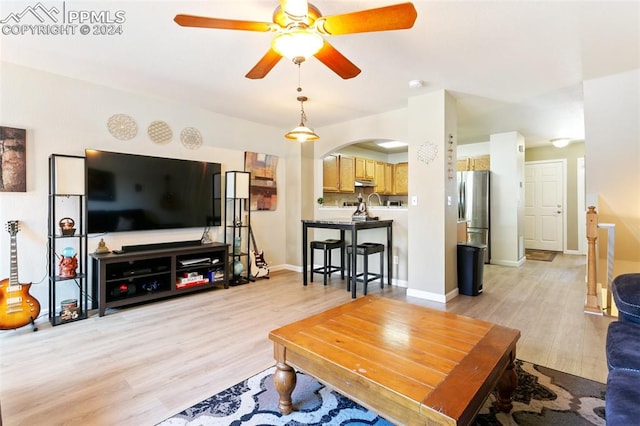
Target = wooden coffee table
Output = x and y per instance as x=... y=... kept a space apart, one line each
x=410 y=364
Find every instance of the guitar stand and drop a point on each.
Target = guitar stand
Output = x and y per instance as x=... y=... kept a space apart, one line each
x=33 y=324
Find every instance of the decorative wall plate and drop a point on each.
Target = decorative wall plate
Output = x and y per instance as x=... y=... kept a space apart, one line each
x=159 y=132
x=122 y=127
x=427 y=152
x=191 y=138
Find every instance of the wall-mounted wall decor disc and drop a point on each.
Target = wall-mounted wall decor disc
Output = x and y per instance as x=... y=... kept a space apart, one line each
x=191 y=138
x=122 y=127
x=427 y=152
x=160 y=132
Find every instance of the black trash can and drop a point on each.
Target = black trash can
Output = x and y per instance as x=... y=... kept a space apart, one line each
x=470 y=268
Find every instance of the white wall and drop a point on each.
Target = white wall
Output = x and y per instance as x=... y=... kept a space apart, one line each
x=473 y=149
x=612 y=146
x=66 y=116
x=507 y=210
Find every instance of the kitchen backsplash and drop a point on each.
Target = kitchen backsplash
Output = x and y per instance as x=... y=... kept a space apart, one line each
x=341 y=200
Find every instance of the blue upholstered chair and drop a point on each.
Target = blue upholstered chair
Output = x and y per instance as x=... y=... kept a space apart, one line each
x=626 y=293
x=622 y=406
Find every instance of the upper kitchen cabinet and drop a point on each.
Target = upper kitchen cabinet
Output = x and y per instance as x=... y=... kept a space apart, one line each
x=331 y=173
x=379 y=178
x=365 y=168
x=482 y=162
x=338 y=174
x=389 y=178
x=401 y=186
x=347 y=174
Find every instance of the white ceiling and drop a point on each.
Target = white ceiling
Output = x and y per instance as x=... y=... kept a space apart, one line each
x=512 y=65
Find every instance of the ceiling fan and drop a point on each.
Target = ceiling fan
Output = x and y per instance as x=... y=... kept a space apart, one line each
x=300 y=28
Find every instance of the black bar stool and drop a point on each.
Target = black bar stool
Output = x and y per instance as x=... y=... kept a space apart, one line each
x=327 y=268
x=366 y=249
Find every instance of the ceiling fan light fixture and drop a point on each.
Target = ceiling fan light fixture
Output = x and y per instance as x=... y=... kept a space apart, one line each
x=297 y=42
x=302 y=133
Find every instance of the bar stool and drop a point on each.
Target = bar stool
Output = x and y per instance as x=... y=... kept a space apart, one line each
x=327 y=268
x=366 y=249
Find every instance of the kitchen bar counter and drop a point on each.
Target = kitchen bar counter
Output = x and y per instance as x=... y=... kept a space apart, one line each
x=343 y=225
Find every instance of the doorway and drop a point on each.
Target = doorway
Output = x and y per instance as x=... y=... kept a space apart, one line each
x=545 y=201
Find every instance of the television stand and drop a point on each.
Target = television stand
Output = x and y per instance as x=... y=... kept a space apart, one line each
x=132 y=277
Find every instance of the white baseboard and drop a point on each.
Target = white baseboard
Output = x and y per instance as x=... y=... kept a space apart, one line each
x=434 y=297
x=510 y=263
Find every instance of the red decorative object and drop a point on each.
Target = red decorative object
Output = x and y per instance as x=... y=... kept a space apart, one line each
x=68 y=266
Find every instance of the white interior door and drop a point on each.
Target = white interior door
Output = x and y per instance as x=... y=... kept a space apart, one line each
x=544 y=205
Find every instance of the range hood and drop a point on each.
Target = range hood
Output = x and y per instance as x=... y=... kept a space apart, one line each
x=364 y=182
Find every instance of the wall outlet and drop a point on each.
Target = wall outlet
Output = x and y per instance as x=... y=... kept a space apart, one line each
x=414 y=200
x=396 y=260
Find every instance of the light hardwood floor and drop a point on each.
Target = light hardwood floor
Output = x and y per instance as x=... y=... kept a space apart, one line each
x=140 y=365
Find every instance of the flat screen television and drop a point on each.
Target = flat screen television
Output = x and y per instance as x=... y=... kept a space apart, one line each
x=127 y=192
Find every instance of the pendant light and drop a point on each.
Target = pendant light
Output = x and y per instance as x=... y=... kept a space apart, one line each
x=302 y=133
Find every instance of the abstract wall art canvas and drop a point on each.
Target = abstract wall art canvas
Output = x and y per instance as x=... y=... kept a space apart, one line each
x=13 y=162
x=263 y=187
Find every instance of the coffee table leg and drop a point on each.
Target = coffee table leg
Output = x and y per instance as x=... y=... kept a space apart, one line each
x=284 y=380
x=506 y=385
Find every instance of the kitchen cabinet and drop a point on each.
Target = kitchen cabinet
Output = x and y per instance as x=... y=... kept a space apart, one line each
x=331 y=173
x=379 y=178
x=482 y=162
x=401 y=181
x=389 y=178
x=347 y=174
x=338 y=174
x=365 y=168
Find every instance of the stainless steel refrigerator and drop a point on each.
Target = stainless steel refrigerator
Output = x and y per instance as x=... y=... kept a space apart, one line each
x=473 y=206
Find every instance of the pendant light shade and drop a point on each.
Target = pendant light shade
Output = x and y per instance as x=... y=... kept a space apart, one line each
x=302 y=133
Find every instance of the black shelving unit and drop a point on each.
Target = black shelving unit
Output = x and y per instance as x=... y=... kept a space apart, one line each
x=68 y=291
x=237 y=220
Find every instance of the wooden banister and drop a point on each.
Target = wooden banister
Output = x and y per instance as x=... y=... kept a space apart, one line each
x=592 y=304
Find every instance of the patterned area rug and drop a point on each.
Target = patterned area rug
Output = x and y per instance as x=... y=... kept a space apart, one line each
x=543 y=397
x=543 y=255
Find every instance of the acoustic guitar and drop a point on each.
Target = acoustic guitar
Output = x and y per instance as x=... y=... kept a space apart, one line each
x=259 y=267
x=17 y=307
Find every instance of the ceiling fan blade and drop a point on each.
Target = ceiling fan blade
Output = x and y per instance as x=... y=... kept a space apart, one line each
x=264 y=65
x=396 y=17
x=337 y=62
x=223 y=24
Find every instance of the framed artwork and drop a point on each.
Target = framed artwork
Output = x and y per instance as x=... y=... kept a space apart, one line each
x=13 y=161
x=263 y=187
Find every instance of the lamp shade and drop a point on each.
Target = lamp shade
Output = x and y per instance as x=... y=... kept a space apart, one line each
x=302 y=133
x=237 y=184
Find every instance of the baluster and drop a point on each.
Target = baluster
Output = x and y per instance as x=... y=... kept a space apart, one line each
x=592 y=304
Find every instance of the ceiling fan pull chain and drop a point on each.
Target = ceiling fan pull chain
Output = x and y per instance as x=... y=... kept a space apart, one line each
x=299 y=89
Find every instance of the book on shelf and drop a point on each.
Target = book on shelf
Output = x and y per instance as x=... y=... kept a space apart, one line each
x=192 y=283
x=190 y=278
